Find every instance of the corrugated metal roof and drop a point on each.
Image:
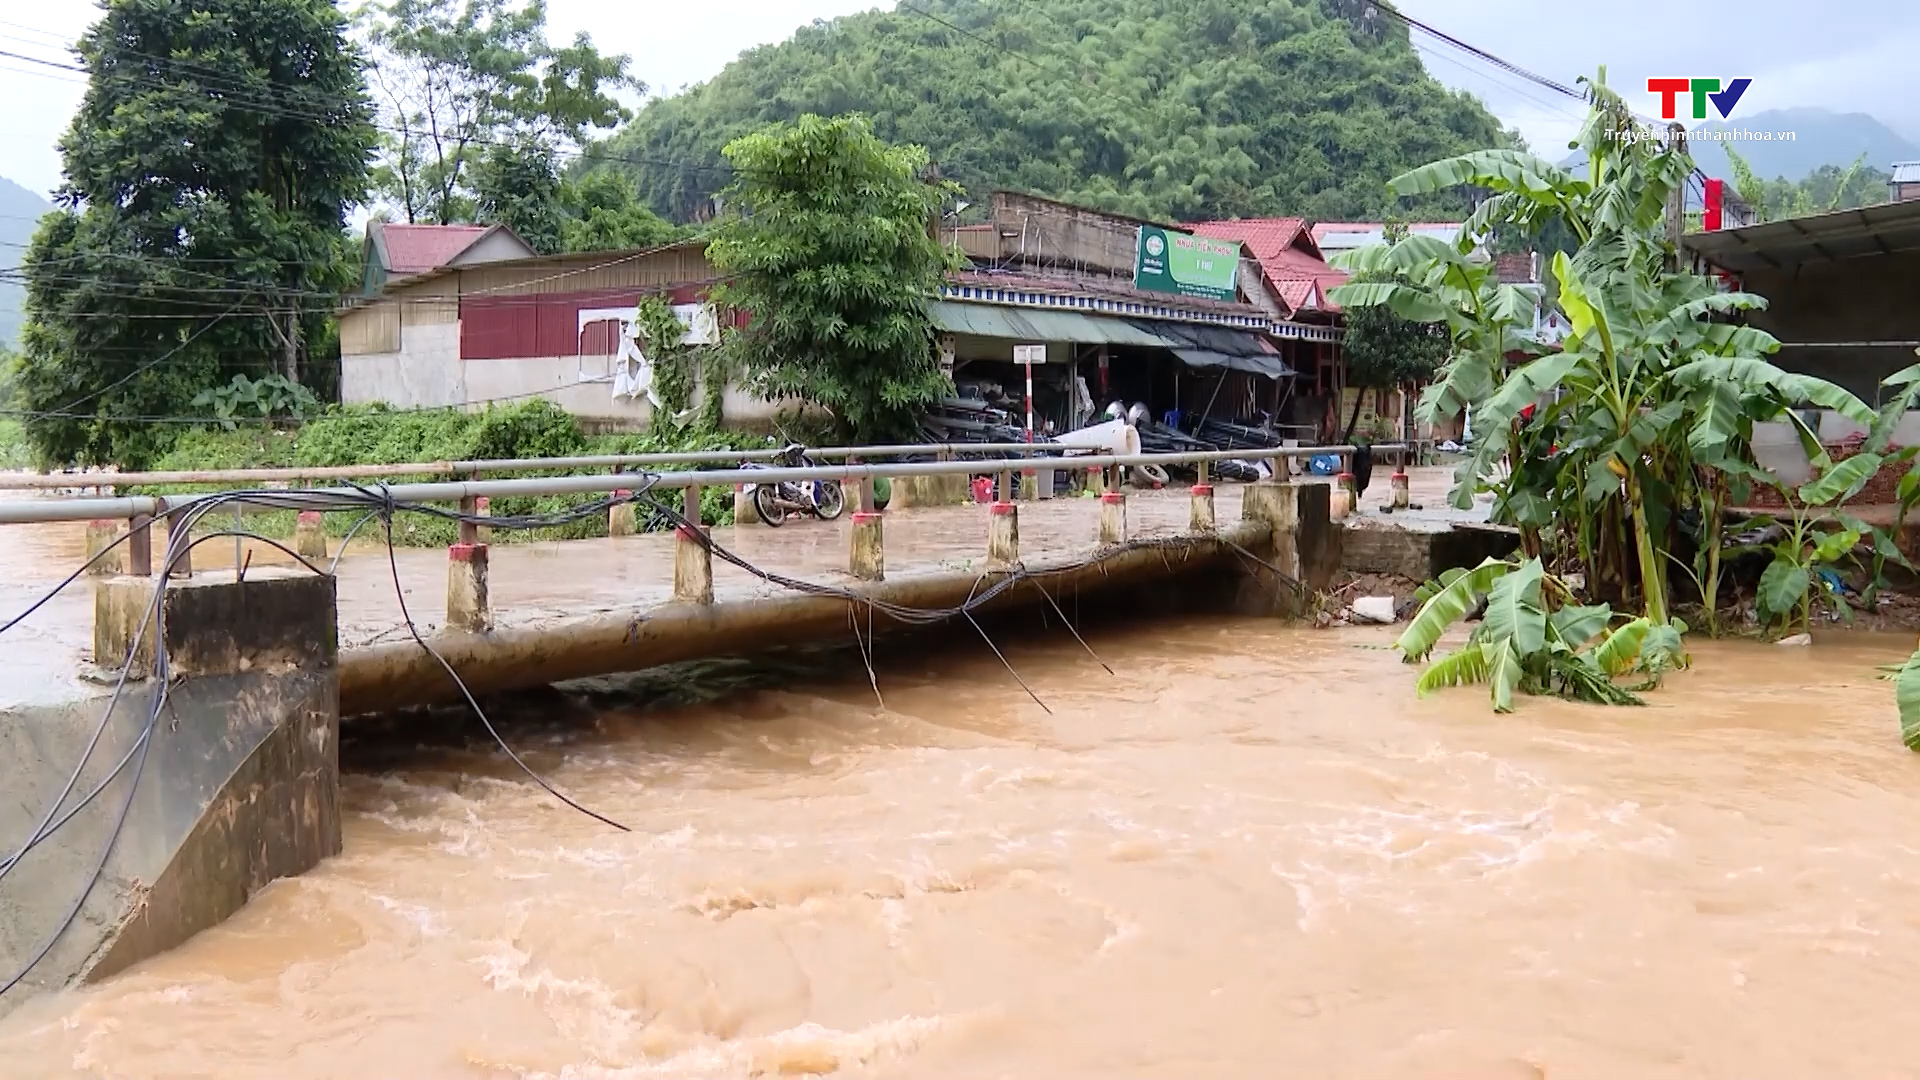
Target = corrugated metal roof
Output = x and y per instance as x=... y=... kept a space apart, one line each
x=1906 y=172
x=411 y=249
x=1843 y=234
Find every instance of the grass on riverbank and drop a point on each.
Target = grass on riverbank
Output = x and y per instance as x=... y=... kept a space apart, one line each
x=378 y=436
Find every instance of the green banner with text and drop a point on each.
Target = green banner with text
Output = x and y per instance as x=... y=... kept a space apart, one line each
x=1177 y=262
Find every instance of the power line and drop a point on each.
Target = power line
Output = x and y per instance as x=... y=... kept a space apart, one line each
x=250 y=99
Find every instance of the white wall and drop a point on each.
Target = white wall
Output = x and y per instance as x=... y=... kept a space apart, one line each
x=1776 y=446
x=558 y=378
x=426 y=373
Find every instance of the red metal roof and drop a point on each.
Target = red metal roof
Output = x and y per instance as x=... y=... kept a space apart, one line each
x=1287 y=255
x=415 y=249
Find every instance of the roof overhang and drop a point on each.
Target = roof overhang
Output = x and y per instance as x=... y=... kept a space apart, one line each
x=1887 y=229
x=1198 y=345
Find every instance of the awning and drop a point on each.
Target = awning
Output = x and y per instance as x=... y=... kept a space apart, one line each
x=1270 y=366
x=1021 y=324
x=1201 y=346
x=1196 y=344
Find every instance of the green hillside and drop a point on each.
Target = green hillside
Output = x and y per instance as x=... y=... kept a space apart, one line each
x=20 y=209
x=1164 y=108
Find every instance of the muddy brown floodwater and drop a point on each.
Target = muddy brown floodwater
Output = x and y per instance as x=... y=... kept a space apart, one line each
x=1252 y=853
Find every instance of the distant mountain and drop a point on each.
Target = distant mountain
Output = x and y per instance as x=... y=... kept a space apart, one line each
x=1821 y=137
x=20 y=210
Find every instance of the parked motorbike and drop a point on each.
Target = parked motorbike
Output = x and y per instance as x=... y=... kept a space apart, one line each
x=772 y=503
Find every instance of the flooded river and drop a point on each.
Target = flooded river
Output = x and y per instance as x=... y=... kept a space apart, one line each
x=1250 y=853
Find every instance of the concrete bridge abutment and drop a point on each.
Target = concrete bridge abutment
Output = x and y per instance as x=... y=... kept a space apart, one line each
x=237 y=784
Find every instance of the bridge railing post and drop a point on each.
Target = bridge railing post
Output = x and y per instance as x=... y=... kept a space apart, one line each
x=469 y=607
x=866 y=546
x=1200 y=517
x=140 y=546
x=692 y=553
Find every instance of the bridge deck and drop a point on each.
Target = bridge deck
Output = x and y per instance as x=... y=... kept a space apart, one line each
x=548 y=580
x=541 y=582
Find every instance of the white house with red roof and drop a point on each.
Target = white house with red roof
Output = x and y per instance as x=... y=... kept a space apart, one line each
x=395 y=251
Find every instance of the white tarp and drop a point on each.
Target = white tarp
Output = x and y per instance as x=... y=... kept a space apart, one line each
x=631 y=371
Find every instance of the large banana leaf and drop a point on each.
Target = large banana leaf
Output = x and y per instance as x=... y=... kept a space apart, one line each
x=1905 y=376
x=1503 y=673
x=1449 y=606
x=1583 y=316
x=1828 y=396
x=1836 y=544
x=1620 y=652
x=1527 y=385
x=1661 y=649
x=1471 y=663
x=1683 y=322
x=1418 y=248
x=1368 y=259
x=1906 y=694
x=1415 y=305
x=1501 y=170
x=1575 y=626
x=1841 y=482
x=1514 y=304
x=1782 y=585
x=1513 y=609
x=1718 y=412
x=1754 y=373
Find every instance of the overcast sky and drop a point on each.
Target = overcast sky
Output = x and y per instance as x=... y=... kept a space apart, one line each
x=1853 y=57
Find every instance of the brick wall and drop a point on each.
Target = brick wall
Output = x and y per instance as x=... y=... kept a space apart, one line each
x=1882 y=490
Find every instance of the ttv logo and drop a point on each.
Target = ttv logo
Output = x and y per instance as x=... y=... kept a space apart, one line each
x=1702 y=91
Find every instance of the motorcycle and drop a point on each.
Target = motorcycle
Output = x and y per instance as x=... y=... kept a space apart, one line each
x=772 y=503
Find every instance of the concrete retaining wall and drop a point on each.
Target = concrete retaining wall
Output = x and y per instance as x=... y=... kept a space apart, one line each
x=1421 y=555
x=239 y=786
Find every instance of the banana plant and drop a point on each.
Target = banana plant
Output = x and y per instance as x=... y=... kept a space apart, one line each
x=1524 y=643
x=1651 y=400
x=1422 y=279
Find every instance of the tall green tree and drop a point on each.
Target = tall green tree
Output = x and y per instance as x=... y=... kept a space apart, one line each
x=519 y=185
x=603 y=214
x=458 y=78
x=828 y=243
x=208 y=172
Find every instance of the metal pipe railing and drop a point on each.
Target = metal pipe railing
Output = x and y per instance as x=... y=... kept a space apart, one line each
x=133 y=506
x=62 y=481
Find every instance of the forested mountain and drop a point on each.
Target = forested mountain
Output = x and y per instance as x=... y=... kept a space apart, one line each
x=1179 y=109
x=20 y=209
x=1821 y=137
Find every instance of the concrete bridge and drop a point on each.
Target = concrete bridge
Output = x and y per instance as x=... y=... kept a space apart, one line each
x=212 y=758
